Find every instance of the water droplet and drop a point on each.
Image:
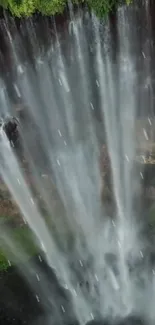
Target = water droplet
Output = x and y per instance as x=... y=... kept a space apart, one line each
x=141 y=174
x=63 y=309
x=92 y=316
x=32 y=201
x=43 y=247
x=113 y=222
x=143 y=157
x=141 y=253
x=59 y=133
x=18 y=181
x=9 y=35
x=65 y=143
x=66 y=286
x=40 y=259
x=92 y=106
x=153 y=271
x=60 y=82
x=97 y=83
x=75 y=293
x=39 y=61
x=145 y=134
x=37 y=276
x=44 y=176
x=149 y=121
x=9 y=263
x=17 y=91
x=81 y=263
x=114 y=280
x=58 y=162
x=65 y=83
x=37 y=298
x=144 y=56
x=127 y=158
x=119 y=244
x=96 y=277
x=20 y=69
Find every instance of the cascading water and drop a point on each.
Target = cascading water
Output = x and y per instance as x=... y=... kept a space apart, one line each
x=62 y=140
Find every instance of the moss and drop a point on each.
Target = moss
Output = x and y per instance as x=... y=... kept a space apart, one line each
x=26 y=8
x=3 y=262
x=23 y=239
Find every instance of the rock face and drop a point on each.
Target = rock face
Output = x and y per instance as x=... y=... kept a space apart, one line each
x=105 y=168
x=144 y=162
x=130 y=320
x=19 y=303
x=10 y=127
x=9 y=211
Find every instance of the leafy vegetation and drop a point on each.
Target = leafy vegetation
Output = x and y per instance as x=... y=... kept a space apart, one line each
x=26 y=8
x=102 y=7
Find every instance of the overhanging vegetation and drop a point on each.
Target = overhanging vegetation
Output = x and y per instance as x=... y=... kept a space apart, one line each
x=26 y=8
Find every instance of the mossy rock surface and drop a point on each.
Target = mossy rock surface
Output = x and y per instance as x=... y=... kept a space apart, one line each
x=24 y=241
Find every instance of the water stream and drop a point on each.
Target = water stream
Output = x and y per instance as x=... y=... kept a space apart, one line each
x=62 y=95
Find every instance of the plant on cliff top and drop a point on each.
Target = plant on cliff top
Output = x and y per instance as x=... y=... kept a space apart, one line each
x=102 y=7
x=51 y=7
x=21 y=7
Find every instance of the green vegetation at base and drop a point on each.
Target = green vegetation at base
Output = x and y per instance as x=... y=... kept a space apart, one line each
x=23 y=239
x=26 y=8
x=3 y=262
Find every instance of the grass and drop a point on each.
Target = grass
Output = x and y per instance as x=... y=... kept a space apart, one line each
x=24 y=240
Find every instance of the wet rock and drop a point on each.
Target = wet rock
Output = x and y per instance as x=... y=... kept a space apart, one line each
x=98 y=322
x=10 y=127
x=131 y=320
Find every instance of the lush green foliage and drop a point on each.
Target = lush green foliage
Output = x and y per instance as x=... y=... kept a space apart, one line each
x=48 y=7
x=102 y=7
x=51 y=7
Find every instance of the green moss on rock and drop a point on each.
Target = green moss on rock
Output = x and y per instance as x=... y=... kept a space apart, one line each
x=23 y=239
